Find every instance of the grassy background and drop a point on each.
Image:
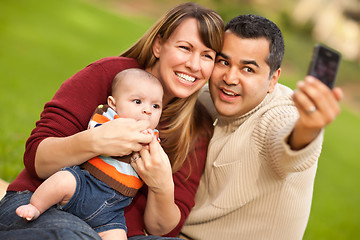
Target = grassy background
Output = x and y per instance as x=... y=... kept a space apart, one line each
x=41 y=45
x=44 y=43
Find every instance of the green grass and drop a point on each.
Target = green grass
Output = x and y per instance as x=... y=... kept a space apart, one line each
x=335 y=209
x=42 y=43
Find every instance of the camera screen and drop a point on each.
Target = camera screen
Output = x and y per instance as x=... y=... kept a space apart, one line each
x=326 y=65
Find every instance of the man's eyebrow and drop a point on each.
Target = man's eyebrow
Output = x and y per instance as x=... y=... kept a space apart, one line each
x=223 y=55
x=251 y=62
x=244 y=62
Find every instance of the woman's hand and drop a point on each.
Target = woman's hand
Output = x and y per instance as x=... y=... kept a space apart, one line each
x=121 y=137
x=153 y=166
x=118 y=137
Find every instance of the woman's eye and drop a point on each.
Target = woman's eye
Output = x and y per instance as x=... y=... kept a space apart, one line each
x=209 y=56
x=137 y=101
x=185 y=48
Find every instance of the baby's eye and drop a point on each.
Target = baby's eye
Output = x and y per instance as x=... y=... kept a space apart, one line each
x=156 y=106
x=137 y=101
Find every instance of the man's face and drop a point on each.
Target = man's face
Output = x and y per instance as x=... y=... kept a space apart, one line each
x=240 y=80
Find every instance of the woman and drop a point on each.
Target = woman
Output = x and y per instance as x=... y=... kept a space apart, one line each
x=180 y=51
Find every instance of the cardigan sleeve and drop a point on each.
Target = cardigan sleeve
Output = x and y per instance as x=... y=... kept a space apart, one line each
x=186 y=185
x=69 y=111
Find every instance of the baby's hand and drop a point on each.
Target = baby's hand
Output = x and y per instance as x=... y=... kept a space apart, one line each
x=148 y=131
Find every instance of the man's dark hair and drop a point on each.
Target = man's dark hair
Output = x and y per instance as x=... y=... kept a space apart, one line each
x=253 y=26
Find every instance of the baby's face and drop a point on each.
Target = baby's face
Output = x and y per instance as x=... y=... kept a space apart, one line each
x=140 y=100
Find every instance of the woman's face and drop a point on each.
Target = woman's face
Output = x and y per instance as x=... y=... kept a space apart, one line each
x=185 y=63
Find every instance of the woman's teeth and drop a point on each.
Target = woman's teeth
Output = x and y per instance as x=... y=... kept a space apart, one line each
x=185 y=77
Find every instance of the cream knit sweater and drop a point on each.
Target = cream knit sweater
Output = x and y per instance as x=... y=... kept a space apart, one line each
x=254 y=186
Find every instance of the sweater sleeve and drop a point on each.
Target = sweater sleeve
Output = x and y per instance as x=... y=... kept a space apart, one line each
x=69 y=111
x=274 y=130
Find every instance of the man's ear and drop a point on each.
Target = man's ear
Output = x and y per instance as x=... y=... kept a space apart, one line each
x=273 y=80
x=156 y=47
x=111 y=102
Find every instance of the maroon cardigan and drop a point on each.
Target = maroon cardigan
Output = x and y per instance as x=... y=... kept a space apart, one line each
x=69 y=112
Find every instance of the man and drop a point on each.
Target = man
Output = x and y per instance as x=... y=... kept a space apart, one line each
x=262 y=158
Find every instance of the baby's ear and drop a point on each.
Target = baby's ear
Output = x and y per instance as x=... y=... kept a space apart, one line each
x=111 y=102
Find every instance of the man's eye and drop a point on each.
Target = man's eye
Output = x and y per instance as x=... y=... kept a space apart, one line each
x=248 y=69
x=223 y=62
x=137 y=101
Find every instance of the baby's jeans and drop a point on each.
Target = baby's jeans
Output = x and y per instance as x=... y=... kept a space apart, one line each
x=53 y=224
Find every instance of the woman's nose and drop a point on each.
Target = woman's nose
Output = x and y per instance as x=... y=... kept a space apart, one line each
x=193 y=62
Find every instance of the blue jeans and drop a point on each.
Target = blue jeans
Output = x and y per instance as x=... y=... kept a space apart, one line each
x=52 y=224
x=151 y=237
x=96 y=203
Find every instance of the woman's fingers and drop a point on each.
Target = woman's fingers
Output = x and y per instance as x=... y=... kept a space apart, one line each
x=153 y=166
x=121 y=136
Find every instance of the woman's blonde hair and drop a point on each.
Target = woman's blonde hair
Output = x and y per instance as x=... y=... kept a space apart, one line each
x=182 y=117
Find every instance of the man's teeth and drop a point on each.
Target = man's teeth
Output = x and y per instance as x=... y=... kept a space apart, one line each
x=229 y=93
x=185 y=77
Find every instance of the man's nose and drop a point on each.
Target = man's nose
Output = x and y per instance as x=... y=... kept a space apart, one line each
x=232 y=77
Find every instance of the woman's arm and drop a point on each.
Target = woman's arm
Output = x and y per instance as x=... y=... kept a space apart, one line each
x=170 y=196
x=116 y=138
x=161 y=213
x=67 y=114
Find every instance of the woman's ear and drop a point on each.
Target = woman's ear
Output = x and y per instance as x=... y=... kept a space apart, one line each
x=157 y=46
x=111 y=102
